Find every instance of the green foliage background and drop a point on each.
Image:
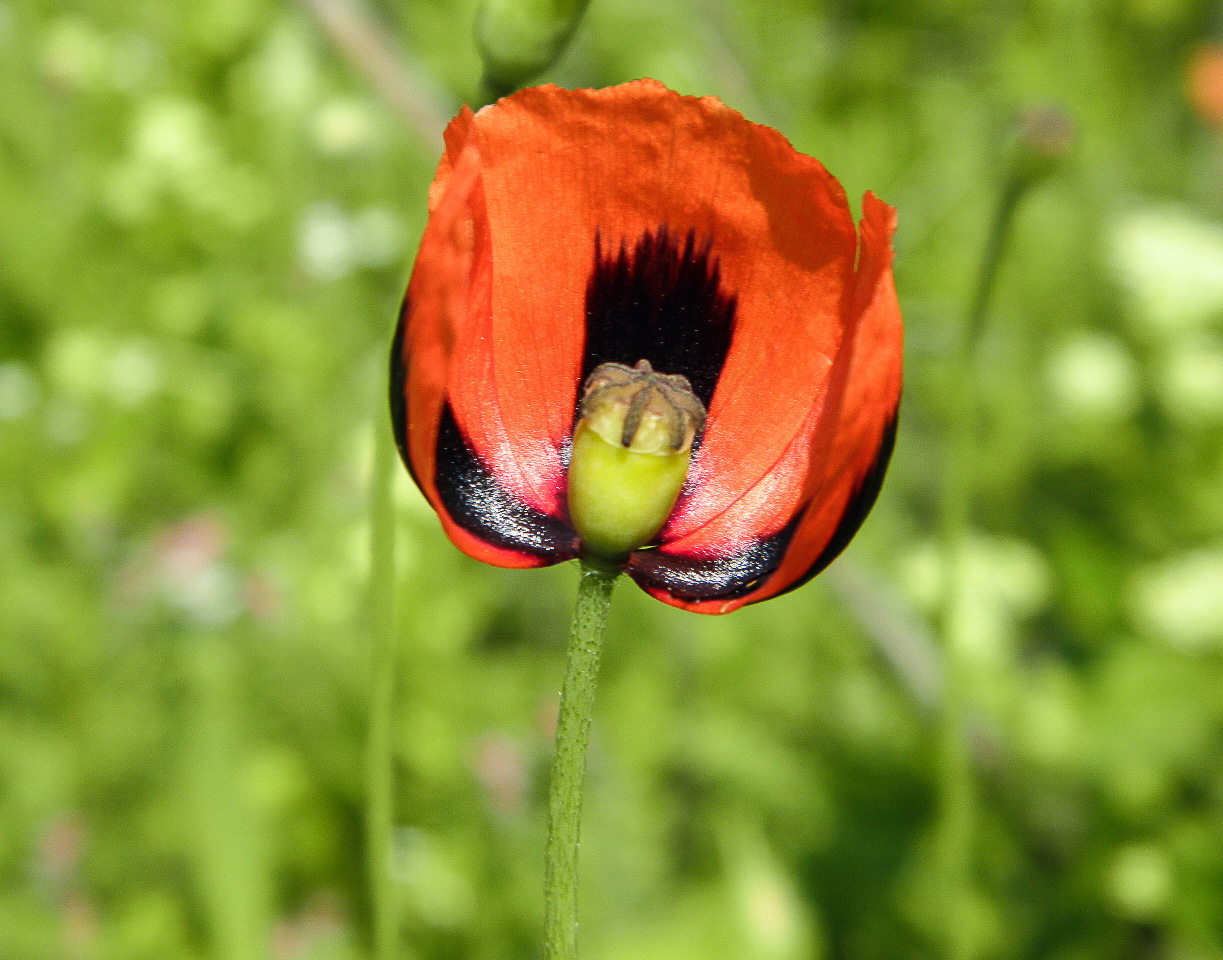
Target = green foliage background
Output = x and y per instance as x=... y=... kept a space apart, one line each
x=207 y=218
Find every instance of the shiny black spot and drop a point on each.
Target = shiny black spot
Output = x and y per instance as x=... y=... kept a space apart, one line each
x=398 y=384
x=725 y=578
x=661 y=301
x=481 y=506
x=728 y=578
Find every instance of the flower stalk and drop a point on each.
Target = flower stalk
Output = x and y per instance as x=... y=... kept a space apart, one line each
x=569 y=765
x=379 y=783
x=1043 y=137
x=957 y=801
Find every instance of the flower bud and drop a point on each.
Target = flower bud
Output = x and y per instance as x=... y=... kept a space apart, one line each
x=1042 y=139
x=630 y=456
x=520 y=38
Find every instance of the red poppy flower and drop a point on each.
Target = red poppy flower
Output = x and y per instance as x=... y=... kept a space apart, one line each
x=571 y=228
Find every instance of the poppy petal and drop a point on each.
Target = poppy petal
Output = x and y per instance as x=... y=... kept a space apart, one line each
x=444 y=408
x=851 y=444
x=562 y=168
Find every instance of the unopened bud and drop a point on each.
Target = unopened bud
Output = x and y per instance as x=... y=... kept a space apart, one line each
x=521 y=38
x=630 y=456
x=1043 y=138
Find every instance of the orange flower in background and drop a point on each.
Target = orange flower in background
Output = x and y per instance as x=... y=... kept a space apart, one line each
x=572 y=229
x=1204 y=83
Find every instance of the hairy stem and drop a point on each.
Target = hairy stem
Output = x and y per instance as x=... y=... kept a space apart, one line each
x=569 y=765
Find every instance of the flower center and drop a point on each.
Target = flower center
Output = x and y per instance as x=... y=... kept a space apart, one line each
x=631 y=451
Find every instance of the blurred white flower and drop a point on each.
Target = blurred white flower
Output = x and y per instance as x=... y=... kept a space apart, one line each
x=75 y=53
x=1180 y=600
x=19 y=390
x=1140 y=881
x=332 y=242
x=344 y=125
x=135 y=373
x=1094 y=377
x=1170 y=263
x=431 y=883
x=379 y=237
x=282 y=76
x=183 y=566
x=75 y=362
x=327 y=242
x=174 y=137
x=1191 y=382
x=1003 y=581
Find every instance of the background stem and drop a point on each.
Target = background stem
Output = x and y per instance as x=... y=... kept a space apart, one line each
x=957 y=828
x=379 y=810
x=569 y=766
x=995 y=246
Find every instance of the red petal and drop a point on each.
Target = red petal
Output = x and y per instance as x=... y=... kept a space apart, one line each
x=853 y=420
x=559 y=165
x=445 y=345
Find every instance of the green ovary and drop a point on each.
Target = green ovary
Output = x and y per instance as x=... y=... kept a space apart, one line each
x=620 y=498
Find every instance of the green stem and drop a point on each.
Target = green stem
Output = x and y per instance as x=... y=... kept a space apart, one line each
x=957 y=793
x=379 y=810
x=995 y=247
x=569 y=766
x=958 y=802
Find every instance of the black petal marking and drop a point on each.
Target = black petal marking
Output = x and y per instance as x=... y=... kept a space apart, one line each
x=481 y=506
x=662 y=301
x=725 y=578
x=728 y=578
x=399 y=399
